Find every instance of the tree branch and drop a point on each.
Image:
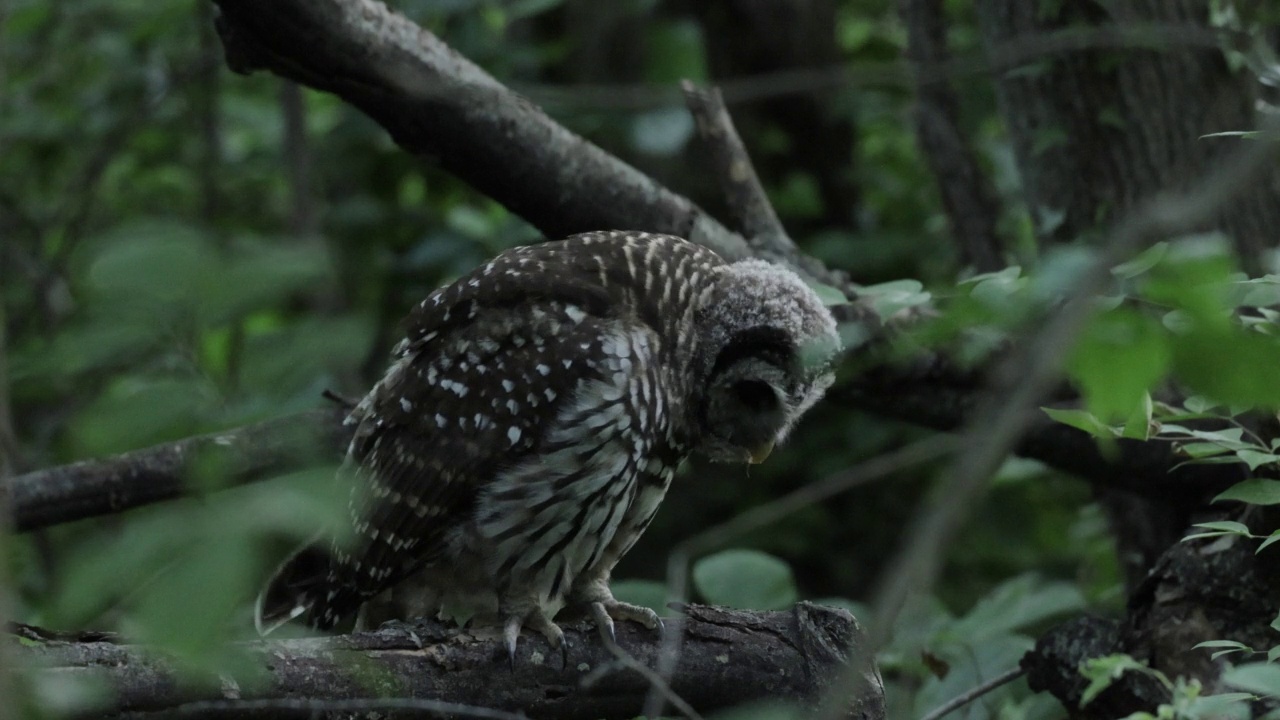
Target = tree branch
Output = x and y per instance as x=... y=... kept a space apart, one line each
x=731 y=657
x=932 y=398
x=752 y=212
x=967 y=195
x=438 y=105
x=101 y=487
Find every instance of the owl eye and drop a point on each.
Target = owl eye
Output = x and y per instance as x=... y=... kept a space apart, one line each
x=755 y=395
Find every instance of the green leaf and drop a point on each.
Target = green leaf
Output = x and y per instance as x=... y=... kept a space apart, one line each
x=1258 y=292
x=1202 y=449
x=1141 y=262
x=1222 y=644
x=1255 y=459
x=892 y=297
x=662 y=132
x=1228 y=438
x=1229 y=646
x=1260 y=678
x=1120 y=356
x=1082 y=420
x=1228 y=526
x=1139 y=424
x=1246 y=134
x=1198 y=404
x=259 y=276
x=152 y=270
x=747 y=579
x=1272 y=539
x=1257 y=491
x=1103 y=671
x=830 y=296
x=1230 y=364
x=1016 y=604
x=1005 y=276
x=676 y=52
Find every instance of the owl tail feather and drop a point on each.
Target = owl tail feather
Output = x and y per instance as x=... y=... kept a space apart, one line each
x=303 y=589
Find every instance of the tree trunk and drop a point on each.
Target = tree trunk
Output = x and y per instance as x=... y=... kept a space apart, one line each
x=1097 y=130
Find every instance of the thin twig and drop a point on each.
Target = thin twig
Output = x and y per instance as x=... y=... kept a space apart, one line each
x=624 y=659
x=961 y=700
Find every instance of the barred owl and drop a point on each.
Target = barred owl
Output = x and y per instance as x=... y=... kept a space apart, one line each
x=535 y=414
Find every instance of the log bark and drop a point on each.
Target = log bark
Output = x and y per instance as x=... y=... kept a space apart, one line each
x=729 y=658
x=1199 y=590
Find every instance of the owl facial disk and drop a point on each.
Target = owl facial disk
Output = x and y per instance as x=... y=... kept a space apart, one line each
x=746 y=410
x=773 y=343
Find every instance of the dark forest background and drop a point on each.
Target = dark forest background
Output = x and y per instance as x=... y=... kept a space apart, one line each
x=184 y=249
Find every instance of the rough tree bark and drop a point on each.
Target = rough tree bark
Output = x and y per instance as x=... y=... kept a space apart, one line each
x=968 y=196
x=759 y=37
x=1097 y=131
x=729 y=658
x=1198 y=591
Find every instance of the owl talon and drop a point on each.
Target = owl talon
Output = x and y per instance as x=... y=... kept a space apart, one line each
x=604 y=623
x=510 y=635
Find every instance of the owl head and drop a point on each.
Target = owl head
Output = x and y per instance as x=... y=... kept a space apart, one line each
x=767 y=344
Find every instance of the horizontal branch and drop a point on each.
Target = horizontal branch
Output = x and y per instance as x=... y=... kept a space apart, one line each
x=933 y=393
x=101 y=487
x=930 y=398
x=731 y=657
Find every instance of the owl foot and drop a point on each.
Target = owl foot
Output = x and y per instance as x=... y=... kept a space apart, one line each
x=604 y=612
x=540 y=623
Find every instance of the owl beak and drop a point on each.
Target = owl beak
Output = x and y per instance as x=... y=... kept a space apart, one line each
x=759 y=454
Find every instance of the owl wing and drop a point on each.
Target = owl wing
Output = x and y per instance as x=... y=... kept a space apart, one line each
x=458 y=405
x=487 y=364
x=454 y=412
